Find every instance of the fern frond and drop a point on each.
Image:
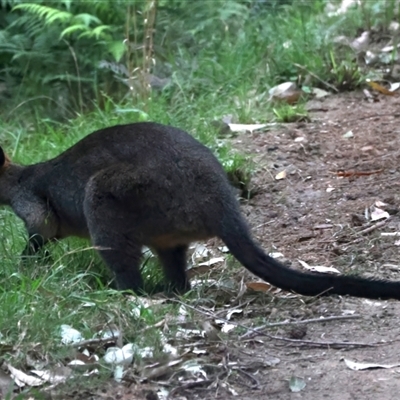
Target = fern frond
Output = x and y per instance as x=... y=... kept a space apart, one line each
x=72 y=29
x=48 y=14
x=86 y=19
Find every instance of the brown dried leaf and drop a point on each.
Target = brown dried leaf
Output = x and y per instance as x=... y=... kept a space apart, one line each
x=379 y=88
x=281 y=175
x=259 y=286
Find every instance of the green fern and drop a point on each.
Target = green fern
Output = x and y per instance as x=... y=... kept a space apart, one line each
x=48 y=14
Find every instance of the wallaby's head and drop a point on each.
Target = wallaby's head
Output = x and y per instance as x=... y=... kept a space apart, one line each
x=8 y=178
x=4 y=161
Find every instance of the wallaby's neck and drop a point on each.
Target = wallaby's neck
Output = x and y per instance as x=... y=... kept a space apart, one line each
x=9 y=183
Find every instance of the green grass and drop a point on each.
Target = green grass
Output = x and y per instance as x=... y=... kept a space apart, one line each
x=72 y=288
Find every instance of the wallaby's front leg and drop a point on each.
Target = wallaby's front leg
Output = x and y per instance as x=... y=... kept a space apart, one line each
x=40 y=221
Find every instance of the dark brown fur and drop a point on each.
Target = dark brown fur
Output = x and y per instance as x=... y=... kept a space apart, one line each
x=147 y=184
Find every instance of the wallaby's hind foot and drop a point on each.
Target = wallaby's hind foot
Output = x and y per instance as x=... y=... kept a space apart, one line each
x=119 y=248
x=122 y=259
x=174 y=264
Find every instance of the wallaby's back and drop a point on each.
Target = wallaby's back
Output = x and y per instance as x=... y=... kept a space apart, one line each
x=168 y=160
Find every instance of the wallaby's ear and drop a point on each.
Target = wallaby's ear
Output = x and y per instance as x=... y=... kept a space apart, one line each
x=2 y=158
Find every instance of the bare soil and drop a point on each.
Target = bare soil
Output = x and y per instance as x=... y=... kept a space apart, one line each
x=287 y=217
x=318 y=217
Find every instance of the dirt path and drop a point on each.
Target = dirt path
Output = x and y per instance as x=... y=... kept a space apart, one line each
x=288 y=216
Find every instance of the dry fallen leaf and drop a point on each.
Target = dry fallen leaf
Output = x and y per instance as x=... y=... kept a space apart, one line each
x=227 y=327
x=246 y=127
x=58 y=375
x=377 y=214
x=323 y=226
x=379 y=88
x=319 y=268
x=230 y=313
x=281 y=175
x=70 y=335
x=258 y=286
x=275 y=254
x=348 y=135
x=287 y=92
x=296 y=384
x=115 y=355
x=361 y=43
x=22 y=379
x=210 y=331
x=357 y=366
x=200 y=251
x=153 y=372
x=212 y=261
x=319 y=93
x=368 y=95
x=394 y=86
x=367 y=148
x=389 y=48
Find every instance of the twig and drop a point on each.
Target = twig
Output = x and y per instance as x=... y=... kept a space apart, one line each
x=317 y=77
x=391 y=114
x=325 y=344
x=95 y=341
x=256 y=383
x=189 y=385
x=304 y=321
x=372 y=228
x=354 y=173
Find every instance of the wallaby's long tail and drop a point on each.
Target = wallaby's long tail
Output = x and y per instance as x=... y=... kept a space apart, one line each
x=236 y=236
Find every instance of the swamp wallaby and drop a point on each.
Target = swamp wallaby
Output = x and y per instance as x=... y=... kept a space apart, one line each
x=147 y=184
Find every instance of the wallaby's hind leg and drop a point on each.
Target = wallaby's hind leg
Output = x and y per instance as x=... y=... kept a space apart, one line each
x=121 y=254
x=174 y=263
x=115 y=243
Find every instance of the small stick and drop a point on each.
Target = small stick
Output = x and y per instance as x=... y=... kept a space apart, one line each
x=95 y=341
x=391 y=114
x=326 y=344
x=304 y=321
x=354 y=173
x=372 y=228
x=189 y=385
